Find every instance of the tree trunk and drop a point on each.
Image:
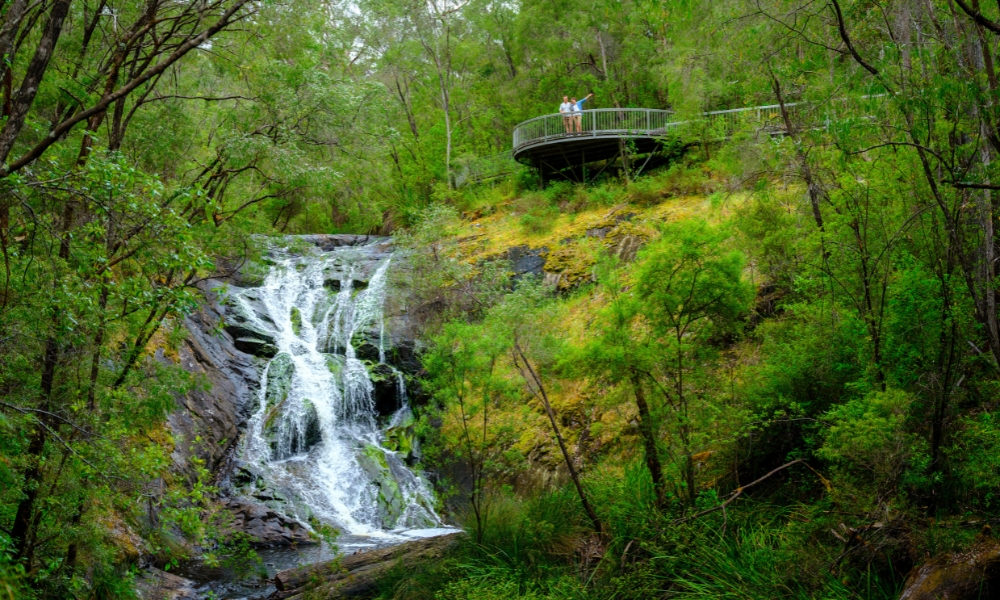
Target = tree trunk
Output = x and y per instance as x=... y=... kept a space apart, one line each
x=33 y=77
x=807 y=175
x=555 y=430
x=649 y=441
x=21 y=531
x=11 y=25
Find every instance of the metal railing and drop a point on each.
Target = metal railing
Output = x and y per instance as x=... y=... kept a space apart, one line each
x=597 y=122
x=713 y=125
x=642 y=122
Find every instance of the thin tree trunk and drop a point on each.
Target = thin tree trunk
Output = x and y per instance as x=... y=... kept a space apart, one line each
x=24 y=517
x=811 y=184
x=539 y=391
x=649 y=441
x=33 y=77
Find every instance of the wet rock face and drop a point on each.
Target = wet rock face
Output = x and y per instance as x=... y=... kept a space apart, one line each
x=217 y=414
x=266 y=526
x=258 y=347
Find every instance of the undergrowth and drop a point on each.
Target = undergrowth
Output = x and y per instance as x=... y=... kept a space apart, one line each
x=539 y=546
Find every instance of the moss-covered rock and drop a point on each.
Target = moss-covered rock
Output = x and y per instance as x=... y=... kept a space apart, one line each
x=390 y=501
x=279 y=379
x=311 y=433
x=296 y=318
x=279 y=384
x=403 y=441
x=335 y=363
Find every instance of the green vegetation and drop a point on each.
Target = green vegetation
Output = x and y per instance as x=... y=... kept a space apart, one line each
x=766 y=369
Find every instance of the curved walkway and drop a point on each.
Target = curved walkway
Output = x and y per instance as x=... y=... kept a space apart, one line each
x=545 y=139
x=543 y=142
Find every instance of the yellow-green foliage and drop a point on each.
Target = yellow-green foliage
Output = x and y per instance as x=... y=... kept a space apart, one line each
x=559 y=222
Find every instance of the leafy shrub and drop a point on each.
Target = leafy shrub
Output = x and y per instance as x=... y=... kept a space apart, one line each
x=527 y=532
x=679 y=180
x=870 y=433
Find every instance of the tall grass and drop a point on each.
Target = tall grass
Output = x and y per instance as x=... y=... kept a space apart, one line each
x=532 y=549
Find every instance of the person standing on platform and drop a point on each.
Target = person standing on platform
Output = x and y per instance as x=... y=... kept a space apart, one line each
x=578 y=112
x=566 y=110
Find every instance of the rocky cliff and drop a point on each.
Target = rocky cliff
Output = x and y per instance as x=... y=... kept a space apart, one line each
x=229 y=354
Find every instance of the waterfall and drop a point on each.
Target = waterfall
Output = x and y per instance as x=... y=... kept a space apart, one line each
x=316 y=446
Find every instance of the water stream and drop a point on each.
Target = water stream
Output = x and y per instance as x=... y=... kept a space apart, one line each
x=316 y=437
x=331 y=442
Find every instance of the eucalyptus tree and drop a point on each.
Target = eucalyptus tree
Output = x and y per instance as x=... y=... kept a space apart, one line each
x=691 y=287
x=146 y=142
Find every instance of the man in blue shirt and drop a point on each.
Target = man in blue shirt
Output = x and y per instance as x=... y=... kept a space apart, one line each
x=578 y=112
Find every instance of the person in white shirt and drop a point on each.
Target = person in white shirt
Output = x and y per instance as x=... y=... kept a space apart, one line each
x=578 y=112
x=566 y=110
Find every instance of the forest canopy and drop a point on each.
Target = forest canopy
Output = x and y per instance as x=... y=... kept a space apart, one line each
x=775 y=371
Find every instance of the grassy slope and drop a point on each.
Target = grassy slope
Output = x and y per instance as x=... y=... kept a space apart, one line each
x=536 y=542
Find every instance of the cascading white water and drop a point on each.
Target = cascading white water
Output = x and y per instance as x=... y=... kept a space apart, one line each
x=315 y=434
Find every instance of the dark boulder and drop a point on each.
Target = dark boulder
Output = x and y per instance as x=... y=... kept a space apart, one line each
x=526 y=261
x=404 y=356
x=387 y=392
x=367 y=350
x=329 y=242
x=968 y=575
x=265 y=526
x=247 y=336
x=256 y=347
x=155 y=584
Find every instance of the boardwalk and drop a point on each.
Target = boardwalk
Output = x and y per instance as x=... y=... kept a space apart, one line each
x=544 y=142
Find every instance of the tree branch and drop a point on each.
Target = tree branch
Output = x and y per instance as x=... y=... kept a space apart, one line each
x=737 y=493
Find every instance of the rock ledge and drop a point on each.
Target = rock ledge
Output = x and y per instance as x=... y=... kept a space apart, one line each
x=357 y=574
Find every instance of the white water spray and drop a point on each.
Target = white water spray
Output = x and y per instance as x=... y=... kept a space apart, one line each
x=315 y=433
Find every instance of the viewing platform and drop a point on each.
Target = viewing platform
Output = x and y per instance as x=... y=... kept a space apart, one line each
x=544 y=142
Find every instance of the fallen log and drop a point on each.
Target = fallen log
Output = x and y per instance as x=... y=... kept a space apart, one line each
x=357 y=574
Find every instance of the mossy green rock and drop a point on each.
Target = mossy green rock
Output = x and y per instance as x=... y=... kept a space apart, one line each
x=403 y=441
x=279 y=379
x=391 y=503
x=335 y=363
